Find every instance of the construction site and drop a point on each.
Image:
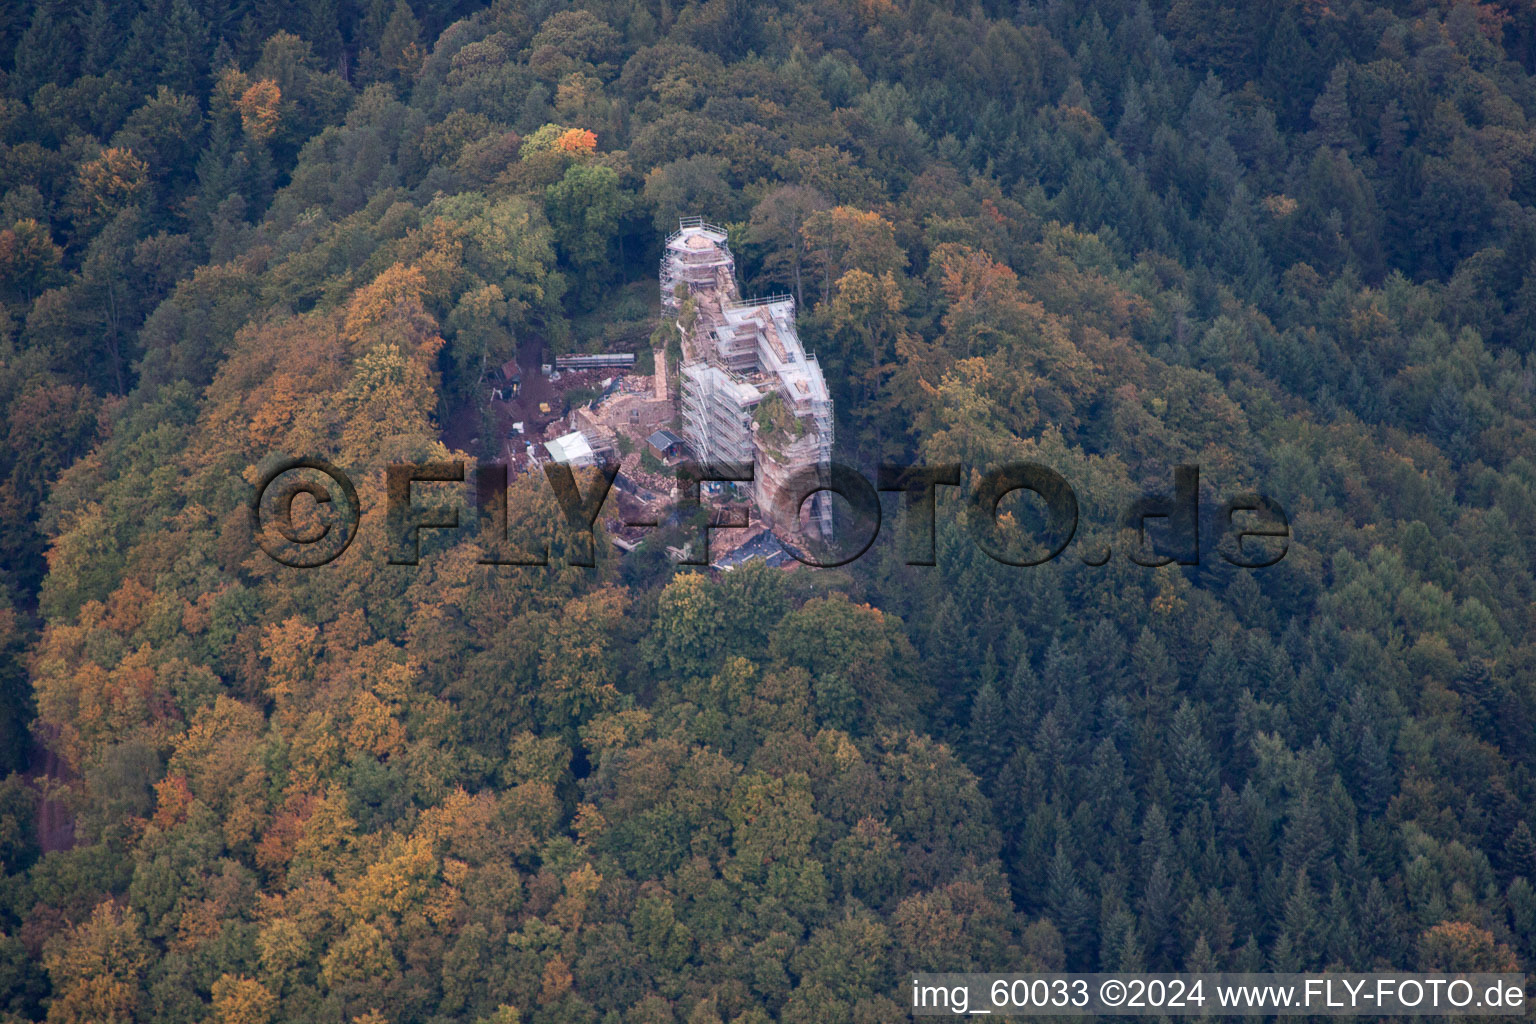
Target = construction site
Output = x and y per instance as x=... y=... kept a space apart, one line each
x=744 y=393
x=750 y=393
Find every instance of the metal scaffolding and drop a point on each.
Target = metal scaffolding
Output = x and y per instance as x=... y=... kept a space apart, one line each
x=739 y=352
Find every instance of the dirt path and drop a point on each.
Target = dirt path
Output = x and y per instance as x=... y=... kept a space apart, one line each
x=55 y=823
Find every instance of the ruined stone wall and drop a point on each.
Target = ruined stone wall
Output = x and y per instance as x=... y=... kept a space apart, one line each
x=779 y=460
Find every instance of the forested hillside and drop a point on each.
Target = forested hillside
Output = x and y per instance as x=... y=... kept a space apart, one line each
x=1293 y=243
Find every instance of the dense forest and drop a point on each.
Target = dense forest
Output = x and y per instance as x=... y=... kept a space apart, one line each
x=1293 y=243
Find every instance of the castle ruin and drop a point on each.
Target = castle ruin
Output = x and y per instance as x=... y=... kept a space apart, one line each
x=750 y=392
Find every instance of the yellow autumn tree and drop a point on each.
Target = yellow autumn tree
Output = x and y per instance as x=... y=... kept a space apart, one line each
x=241 y=1000
x=290 y=648
x=282 y=946
x=842 y=238
x=575 y=666
x=401 y=880
x=390 y=395
x=556 y=981
x=1460 y=946
x=220 y=755
x=260 y=109
x=274 y=394
x=113 y=181
x=327 y=838
x=361 y=956
x=96 y=969
x=390 y=308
